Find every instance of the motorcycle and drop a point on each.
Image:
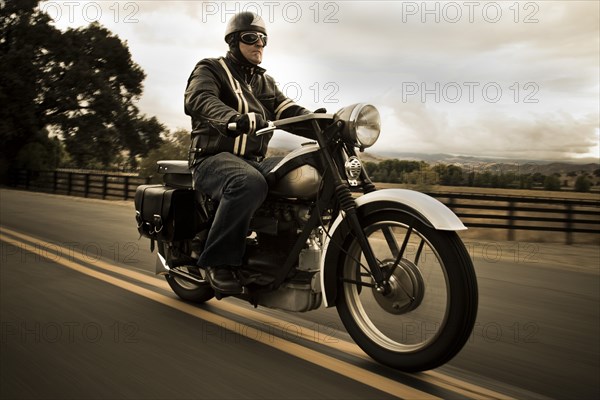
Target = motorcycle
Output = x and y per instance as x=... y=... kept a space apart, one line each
x=389 y=260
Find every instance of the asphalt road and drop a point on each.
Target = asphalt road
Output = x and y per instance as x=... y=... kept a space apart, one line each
x=82 y=316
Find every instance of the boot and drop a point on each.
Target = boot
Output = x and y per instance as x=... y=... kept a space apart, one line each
x=223 y=279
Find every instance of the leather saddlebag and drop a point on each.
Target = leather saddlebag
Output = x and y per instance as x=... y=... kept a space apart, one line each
x=165 y=213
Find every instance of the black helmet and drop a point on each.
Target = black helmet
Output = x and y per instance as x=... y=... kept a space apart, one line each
x=245 y=21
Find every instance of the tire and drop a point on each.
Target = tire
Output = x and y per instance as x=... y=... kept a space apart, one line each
x=189 y=291
x=185 y=289
x=428 y=313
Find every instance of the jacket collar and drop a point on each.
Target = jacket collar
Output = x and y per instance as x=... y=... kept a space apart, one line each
x=245 y=68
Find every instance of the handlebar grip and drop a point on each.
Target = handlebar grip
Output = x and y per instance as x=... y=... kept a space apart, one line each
x=232 y=126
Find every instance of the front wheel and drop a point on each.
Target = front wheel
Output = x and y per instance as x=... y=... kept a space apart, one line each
x=427 y=312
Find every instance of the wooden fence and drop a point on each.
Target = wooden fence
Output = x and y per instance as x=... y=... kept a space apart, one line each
x=93 y=184
x=475 y=210
x=525 y=213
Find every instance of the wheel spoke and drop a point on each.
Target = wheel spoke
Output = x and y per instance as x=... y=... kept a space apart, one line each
x=358 y=277
x=358 y=283
x=402 y=250
x=391 y=240
x=419 y=250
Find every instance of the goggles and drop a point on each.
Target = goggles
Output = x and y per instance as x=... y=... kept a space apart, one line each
x=252 y=37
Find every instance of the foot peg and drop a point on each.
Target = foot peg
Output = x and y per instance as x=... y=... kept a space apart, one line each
x=248 y=279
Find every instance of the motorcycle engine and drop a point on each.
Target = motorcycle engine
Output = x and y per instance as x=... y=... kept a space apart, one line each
x=280 y=218
x=277 y=226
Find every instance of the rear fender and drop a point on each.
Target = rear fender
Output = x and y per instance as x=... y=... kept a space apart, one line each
x=424 y=208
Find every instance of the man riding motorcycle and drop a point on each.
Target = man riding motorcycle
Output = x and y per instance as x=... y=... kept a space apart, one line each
x=386 y=259
x=230 y=165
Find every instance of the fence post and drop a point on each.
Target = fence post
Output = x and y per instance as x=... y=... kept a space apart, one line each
x=511 y=221
x=569 y=224
x=450 y=203
x=126 y=188
x=69 y=183
x=104 y=186
x=54 y=181
x=86 y=185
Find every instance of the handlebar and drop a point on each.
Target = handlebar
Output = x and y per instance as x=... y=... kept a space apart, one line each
x=232 y=126
x=272 y=125
x=270 y=128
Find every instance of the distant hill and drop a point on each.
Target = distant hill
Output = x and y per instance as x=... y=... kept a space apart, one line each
x=474 y=163
x=494 y=164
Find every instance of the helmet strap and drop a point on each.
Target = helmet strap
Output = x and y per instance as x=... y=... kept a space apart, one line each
x=234 y=50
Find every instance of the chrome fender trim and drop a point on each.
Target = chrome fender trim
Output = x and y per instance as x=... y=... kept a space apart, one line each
x=429 y=210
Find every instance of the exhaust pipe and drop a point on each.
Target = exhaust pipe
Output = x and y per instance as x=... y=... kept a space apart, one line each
x=187 y=276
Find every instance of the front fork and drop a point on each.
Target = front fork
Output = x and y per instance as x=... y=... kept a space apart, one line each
x=348 y=207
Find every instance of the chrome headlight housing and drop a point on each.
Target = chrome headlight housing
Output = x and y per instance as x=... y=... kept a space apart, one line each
x=362 y=124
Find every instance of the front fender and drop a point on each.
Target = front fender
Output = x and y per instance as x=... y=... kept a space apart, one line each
x=428 y=210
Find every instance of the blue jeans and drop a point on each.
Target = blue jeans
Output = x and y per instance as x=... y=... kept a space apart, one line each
x=239 y=187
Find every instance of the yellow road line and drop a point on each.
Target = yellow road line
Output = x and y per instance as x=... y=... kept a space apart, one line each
x=343 y=368
x=432 y=377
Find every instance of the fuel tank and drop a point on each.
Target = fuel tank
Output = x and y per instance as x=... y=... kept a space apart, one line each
x=297 y=175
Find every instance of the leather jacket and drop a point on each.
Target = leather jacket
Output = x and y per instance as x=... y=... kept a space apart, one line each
x=221 y=88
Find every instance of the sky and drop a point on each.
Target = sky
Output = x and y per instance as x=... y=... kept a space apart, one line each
x=507 y=79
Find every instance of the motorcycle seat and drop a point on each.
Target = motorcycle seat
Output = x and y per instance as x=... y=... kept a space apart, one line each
x=175 y=173
x=173 y=167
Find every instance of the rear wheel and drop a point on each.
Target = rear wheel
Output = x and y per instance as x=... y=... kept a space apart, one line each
x=428 y=310
x=186 y=289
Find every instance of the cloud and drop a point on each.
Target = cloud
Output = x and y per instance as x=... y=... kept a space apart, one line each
x=417 y=127
x=527 y=72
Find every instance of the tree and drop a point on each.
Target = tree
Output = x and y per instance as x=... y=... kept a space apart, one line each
x=583 y=184
x=449 y=175
x=483 y=179
x=371 y=168
x=38 y=156
x=538 y=178
x=175 y=147
x=525 y=181
x=396 y=171
x=104 y=115
x=552 y=182
x=393 y=176
x=80 y=84
x=20 y=69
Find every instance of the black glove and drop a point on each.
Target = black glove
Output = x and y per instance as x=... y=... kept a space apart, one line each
x=247 y=124
x=320 y=111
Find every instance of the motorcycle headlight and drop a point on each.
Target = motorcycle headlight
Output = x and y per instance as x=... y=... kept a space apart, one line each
x=362 y=124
